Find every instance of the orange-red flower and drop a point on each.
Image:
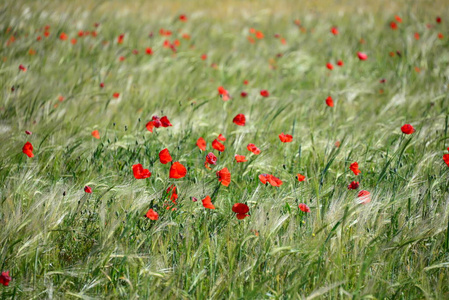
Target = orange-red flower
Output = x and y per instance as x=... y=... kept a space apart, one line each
x=28 y=149
x=177 y=170
x=285 y=138
x=224 y=176
x=264 y=93
x=407 y=129
x=211 y=158
x=164 y=156
x=353 y=185
x=207 y=203
x=241 y=210
x=253 y=149
x=218 y=146
x=240 y=158
x=362 y=56
x=201 y=143
x=355 y=168
x=303 y=207
x=152 y=215
x=300 y=177
x=96 y=134
x=140 y=173
x=172 y=192
x=364 y=197
x=267 y=178
x=239 y=120
x=5 y=278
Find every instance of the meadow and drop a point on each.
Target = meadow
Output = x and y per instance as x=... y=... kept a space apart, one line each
x=224 y=150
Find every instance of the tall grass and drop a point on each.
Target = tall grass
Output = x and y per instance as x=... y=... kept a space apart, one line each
x=59 y=242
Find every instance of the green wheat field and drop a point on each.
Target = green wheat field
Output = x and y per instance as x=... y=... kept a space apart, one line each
x=338 y=112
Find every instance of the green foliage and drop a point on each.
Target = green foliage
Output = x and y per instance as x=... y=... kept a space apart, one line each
x=57 y=241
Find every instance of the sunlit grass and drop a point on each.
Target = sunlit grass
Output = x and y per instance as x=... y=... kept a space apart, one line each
x=60 y=242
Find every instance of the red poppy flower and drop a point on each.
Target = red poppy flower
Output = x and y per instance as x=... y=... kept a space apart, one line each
x=172 y=191
x=355 y=168
x=164 y=156
x=383 y=80
x=140 y=173
x=407 y=129
x=245 y=82
x=116 y=95
x=353 y=185
x=393 y=25
x=183 y=18
x=364 y=197
x=224 y=94
x=120 y=39
x=28 y=132
x=224 y=176
x=150 y=126
x=211 y=158
x=241 y=210
x=88 y=189
x=285 y=138
x=177 y=170
x=204 y=56
x=5 y=278
x=239 y=120
x=334 y=30
x=362 y=56
x=259 y=34
x=340 y=63
x=329 y=101
x=157 y=121
x=398 y=18
x=201 y=143
x=73 y=41
x=152 y=215
x=96 y=134
x=221 y=137
x=303 y=207
x=240 y=158
x=207 y=203
x=102 y=84
x=243 y=94
x=329 y=66
x=446 y=159
x=440 y=36
x=438 y=20
x=300 y=177
x=264 y=93
x=149 y=51
x=63 y=36
x=165 y=122
x=28 y=149
x=416 y=36
x=274 y=181
x=218 y=146
x=253 y=149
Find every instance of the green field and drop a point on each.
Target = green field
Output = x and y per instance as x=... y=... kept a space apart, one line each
x=65 y=72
